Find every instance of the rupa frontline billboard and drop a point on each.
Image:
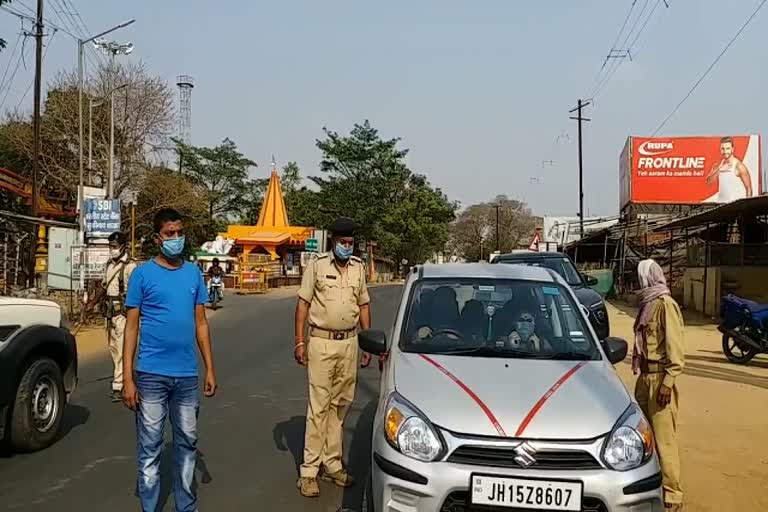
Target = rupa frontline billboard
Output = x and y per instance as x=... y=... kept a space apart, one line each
x=690 y=170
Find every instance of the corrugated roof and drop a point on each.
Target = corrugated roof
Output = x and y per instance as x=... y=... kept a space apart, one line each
x=729 y=212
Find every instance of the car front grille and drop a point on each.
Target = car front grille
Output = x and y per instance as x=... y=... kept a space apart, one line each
x=459 y=502
x=492 y=456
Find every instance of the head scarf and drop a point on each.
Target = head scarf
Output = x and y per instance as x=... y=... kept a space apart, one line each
x=653 y=285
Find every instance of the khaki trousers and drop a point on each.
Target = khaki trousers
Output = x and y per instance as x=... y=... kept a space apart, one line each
x=115 y=332
x=332 y=375
x=664 y=424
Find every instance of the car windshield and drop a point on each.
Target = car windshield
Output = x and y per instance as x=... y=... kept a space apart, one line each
x=562 y=266
x=496 y=318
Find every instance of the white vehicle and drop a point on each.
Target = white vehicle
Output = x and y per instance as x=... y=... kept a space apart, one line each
x=498 y=395
x=38 y=371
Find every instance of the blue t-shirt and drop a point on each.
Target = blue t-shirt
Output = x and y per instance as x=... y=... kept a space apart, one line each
x=166 y=300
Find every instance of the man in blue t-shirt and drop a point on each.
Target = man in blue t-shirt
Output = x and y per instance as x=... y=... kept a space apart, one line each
x=166 y=319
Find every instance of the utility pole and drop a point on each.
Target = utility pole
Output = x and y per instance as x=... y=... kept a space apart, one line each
x=498 y=243
x=36 y=135
x=581 y=105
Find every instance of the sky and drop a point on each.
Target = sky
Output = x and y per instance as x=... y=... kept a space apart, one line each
x=478 y=91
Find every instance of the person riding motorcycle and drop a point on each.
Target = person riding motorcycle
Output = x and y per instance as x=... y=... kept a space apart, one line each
x=216 y=274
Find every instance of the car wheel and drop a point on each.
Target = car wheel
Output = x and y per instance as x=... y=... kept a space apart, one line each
x=38 y=408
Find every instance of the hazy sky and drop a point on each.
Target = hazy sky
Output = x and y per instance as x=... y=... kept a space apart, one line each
x=478 y=90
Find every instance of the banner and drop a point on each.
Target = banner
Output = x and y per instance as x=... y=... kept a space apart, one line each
x=690 y=170
x=102 y=217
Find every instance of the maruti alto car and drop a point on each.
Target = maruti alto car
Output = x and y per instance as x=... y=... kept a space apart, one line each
x=496 y=395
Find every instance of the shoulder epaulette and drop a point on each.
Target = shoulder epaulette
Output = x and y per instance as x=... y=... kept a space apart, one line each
x=355 y=258
x=323 y=255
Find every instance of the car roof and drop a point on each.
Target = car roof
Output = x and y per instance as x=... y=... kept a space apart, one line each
x=530 y=254
x=487 y=271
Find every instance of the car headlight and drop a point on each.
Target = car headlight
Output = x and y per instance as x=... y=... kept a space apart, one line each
x=410 y=432
x=631 y=443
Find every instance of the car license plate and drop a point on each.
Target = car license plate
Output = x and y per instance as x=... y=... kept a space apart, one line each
x=526 y=493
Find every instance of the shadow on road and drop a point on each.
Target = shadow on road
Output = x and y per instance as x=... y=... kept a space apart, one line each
x=360 y=458
x=757 y=363
x=74 y=416
x=289 y=436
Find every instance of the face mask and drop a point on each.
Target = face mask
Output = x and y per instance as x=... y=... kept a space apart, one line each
x=115 y=253
x=342 y=252
x=525 y=330
x=173 y=247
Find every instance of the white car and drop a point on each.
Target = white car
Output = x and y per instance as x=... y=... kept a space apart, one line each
x=497 y=395
x=38 y=371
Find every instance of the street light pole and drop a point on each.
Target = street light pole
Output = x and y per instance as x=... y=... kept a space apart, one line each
x=111 y=182
x=91 y=104
x=80 y=86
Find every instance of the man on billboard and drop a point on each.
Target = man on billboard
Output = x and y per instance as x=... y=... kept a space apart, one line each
x=732 y=175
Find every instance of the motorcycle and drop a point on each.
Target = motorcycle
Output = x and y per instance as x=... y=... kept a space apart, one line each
x=215 y=288
x=744 y=324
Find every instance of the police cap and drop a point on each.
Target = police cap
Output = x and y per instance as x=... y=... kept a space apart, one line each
x=343 y=226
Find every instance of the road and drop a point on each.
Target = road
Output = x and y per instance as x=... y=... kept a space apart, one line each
x=251 y=433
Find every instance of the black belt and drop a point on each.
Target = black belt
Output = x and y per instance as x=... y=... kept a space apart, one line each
x=332 y=335
x=652 y=367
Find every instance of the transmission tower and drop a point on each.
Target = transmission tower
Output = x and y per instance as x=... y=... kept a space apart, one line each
x=185 y=84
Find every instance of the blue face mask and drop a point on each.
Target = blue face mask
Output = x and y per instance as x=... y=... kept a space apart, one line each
x=173 y=247
x=525 y=330
x=342 y=252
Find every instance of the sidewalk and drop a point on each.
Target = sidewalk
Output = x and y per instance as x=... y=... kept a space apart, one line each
x=723 y=419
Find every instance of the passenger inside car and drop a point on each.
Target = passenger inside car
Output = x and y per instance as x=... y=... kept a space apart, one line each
x=523 y=335
x=474 y=322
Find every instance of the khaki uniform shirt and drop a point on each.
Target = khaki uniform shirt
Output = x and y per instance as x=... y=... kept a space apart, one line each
x=112 y=279
x=664 y=338
x=334 y=293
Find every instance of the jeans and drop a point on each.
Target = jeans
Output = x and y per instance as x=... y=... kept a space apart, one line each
x=160 y=397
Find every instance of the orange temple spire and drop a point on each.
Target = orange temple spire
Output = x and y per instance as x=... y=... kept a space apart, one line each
x=273 y=212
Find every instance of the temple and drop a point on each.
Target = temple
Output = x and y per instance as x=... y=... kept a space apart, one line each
x=272 y=234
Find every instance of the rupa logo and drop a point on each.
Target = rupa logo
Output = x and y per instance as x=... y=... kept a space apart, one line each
x=655 y=148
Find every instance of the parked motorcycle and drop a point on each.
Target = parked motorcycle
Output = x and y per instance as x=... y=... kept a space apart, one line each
x=744 y=324
x=215 y=290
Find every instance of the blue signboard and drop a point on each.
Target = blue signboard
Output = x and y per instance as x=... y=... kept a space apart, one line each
x=102 y=217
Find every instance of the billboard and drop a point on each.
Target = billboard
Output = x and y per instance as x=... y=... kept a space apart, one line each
x=690 y=170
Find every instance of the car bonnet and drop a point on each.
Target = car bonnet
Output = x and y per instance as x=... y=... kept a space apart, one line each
x=525 y=398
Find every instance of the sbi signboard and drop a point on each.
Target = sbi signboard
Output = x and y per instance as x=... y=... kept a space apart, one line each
x=102 y=217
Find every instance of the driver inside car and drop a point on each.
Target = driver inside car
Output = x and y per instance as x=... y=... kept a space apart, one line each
x=443 y=317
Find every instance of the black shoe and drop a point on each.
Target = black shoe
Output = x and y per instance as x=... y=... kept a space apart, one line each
x=117 y=396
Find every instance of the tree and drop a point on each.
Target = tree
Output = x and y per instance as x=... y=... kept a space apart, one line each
x=144 y=118
x=164 y=188
x=221 y=174
x=475 y=229
x=366 y=178
x=300 y=201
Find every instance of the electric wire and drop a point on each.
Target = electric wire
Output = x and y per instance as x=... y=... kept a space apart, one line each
x=711 y=66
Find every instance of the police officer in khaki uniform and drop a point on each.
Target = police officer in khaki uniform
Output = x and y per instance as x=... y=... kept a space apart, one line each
x=334 y=299
x=118 y=272
x=659 y=357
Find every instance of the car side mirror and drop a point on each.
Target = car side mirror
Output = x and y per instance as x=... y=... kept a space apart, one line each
x=589 y=280
x=372 y=341
x=615 y=349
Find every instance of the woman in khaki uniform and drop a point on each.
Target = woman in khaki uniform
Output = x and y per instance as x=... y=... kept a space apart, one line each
x=659 y=357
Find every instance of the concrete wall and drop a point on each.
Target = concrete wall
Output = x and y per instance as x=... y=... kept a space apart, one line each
x=748 y=282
